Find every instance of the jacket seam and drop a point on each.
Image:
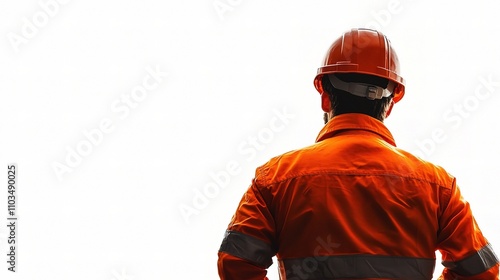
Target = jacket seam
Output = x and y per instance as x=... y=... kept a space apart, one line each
x=348 y=173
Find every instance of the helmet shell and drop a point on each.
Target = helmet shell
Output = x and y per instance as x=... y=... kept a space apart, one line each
x=364 y=51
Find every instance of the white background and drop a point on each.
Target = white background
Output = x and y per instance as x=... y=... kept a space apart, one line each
x=117 y=215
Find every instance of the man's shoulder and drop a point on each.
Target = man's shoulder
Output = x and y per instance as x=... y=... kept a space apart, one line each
x=287 y=165
x=309 y=161
x=423 y=169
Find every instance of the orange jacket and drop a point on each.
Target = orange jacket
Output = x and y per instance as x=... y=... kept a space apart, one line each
x=354 y=206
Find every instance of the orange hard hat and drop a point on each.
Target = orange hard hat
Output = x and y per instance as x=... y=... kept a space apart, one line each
x=363 y=51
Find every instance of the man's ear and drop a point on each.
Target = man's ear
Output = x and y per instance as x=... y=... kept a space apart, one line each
x=388 y=112
x=325 y=103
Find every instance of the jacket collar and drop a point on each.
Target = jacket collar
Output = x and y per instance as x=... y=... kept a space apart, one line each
x=355 y=121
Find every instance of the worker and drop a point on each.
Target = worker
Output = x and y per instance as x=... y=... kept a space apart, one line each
x=353 y=205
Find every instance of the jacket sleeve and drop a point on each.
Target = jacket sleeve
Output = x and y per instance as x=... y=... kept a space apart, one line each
x=465 y=251
x=247 y=248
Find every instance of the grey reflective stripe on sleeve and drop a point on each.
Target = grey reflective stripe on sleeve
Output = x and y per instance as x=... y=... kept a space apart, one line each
x=247 y=247
x=358 y=266
x=478 y=263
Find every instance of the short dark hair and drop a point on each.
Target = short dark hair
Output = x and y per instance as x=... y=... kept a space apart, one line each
x=343 y=102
